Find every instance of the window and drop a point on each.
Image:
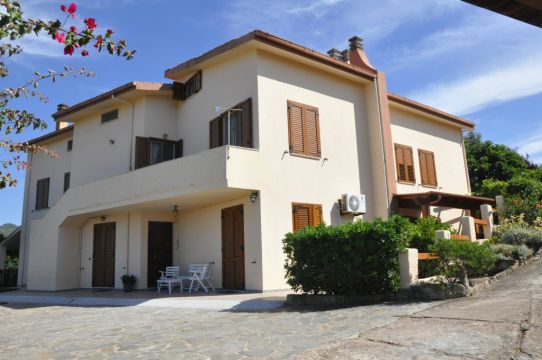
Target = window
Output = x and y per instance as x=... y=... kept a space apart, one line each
x=42 y=194
x=405 y=164
x=150 y=151
x=66 y=181
x=304 y=129
x=70 y=145
x=427 y=168
x=239 y=131
x=190 y=87
x=304 y=215
x=110 y=116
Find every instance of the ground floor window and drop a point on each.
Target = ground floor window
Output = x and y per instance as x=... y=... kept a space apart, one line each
x=304 y=215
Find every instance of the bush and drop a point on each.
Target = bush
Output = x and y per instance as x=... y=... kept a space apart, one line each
x=455 y=257
x=511 y=252
x=350 y=259
x=424 y=234
x=529 y=236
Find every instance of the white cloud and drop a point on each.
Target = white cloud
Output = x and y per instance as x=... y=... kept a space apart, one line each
x=475 y=92
x=532 y=146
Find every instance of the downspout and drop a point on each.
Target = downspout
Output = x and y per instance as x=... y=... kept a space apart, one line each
x=131 y=127
x=28 y=181
x=465 y=161
x=128 y=247
x=379 y=108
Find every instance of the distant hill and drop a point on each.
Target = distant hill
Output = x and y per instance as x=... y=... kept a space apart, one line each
x=7 y=229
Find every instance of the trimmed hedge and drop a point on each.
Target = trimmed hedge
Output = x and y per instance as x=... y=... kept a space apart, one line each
x=456 y=256
x=351 y=259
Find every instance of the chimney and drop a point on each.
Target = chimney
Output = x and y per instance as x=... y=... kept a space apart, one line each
x=334 y=53
x=358 y=56
x=61 y=124
x=345 y=56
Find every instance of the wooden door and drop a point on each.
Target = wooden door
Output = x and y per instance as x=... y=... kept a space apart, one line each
x=103 y=258
x=233 y=248
x=160 y=250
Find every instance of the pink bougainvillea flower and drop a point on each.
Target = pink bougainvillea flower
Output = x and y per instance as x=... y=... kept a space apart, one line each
x=68 y=50
x=109 y=32
x=76 y=45
x=72 y=8
x=99 y=41
x=60 y=37
x=63 y=8
x=91 y=23
x=73 y=29
x=84 y=53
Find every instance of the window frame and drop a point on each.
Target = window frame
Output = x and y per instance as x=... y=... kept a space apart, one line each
x=162 y=142
x=106 y=117
x=305 y=153
x=67 y=180
x=42 y=196
x=69 y=146
x=311 y=208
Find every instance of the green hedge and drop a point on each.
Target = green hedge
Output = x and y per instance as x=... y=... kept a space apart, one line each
x=355 y=258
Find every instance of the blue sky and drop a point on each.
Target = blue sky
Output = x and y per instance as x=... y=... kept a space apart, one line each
x=445 y=53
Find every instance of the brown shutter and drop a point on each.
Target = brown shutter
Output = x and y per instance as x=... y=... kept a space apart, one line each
x=179 y=149
x=179 y=92
x=409 y=163
x=295 y=123
x=316 y=215
x=405 y=163
x=427 y=168
x=141 y=152
x=400 y=161
x=312 y=132
x=246 y=123
x=197 y=81
x=215 y=133
x=66 y=181
x=42 y=194
x=39 y=191
x=301 y=216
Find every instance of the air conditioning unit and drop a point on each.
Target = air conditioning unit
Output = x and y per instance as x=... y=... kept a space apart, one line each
x=353 y=204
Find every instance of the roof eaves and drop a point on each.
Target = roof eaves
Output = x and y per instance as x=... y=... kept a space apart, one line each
x=51 y=135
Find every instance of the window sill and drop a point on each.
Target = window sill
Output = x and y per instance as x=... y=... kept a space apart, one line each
x=305 y=156
x=406 y=182
x=430 y=186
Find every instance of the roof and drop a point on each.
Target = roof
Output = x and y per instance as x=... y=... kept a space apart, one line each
x=437 y=198
x=431 y=110
x=51 y=135
x=277 y=42
x=528 y=11
x=134 y=85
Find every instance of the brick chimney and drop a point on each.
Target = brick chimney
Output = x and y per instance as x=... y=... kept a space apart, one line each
x=61 y=124
x=358 y=56
x=334 y=53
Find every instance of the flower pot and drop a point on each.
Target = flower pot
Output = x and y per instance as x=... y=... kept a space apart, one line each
x=128 y=286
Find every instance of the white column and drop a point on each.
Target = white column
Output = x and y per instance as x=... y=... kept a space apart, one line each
x=468 y=228
x=487 y=214
x=499 y=199
x=442 y=234
x=408 y=265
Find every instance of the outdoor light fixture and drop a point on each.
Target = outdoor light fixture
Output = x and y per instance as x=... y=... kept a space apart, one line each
x=219 y=109
x=175 y=210
x=253 y=196
x=111 y=141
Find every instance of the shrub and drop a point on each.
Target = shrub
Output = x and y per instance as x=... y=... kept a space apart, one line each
x=509 y=252
x=424 y=234
x=532 y=237
x=455 y=257
x=350 y=259
x=522 y=253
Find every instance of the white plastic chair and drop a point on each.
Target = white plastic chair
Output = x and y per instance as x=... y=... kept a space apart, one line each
x=198 y=275
x=169 y=278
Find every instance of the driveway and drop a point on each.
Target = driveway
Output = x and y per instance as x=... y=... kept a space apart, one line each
x=501 y=323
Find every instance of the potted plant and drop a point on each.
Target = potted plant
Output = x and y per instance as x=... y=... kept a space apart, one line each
x=128 y=282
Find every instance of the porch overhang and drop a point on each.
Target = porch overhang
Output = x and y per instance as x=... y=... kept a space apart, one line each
x=436 y=198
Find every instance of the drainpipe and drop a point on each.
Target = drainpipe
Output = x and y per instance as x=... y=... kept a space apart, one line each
x=131 y=127
x=128 y=247
x=465 y=161
x=28 y=182
x=379 y=108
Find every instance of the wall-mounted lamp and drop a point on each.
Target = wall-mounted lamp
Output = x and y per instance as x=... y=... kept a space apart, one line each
x=175 y=210
x=111 y=141
x=164 y=136
x=103 y=217
x=253 y=196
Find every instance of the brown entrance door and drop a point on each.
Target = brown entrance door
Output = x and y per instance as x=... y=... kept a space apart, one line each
x=103 y=259
x=233 y=248
x=160 y=250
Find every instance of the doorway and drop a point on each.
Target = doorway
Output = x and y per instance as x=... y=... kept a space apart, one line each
x=103 y=258
x=233 y=248
x=160 y=250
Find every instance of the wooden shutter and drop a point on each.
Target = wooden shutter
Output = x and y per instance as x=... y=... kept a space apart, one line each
x=304 y=215
x=141 y=152
x=179 y=92
x=246 y=123
x=179 y=149
x=427 y=168
x=295 y=123
x=405 y=163
x=215 y=133
x=197 y=81
x=42 y=194
x=312 y=132
x=66 y=181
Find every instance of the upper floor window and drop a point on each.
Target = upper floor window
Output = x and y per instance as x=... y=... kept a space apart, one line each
x=427 y=168
x=42 y=194
x=304 y=215
x=232 y=127
x=110 y=116
x=150 y=151
x=303 y=129
x=190 y=87
x=404 y=164
x=70 y=145
x=67 y=181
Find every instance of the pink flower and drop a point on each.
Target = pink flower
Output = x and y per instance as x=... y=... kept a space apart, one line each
x=63 y=8
x=68 y=50
x=99 y=41
x=73 y=29
x=72 y=8
x=60 y=37
x=109 y=32
x=84 y=53
x=91 y=23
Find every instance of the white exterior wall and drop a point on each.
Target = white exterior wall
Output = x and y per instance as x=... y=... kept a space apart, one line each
x=446 y=142
x=287 y=178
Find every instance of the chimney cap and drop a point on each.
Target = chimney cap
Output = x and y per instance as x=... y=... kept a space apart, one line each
x=356 y=43
x=345 y=55
x=334 y=53
x=62 y=106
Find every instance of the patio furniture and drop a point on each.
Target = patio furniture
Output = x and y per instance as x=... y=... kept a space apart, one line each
x=199 y=275
x=169 y=278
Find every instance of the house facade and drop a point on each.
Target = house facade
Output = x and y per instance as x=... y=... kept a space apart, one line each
x=251 y=140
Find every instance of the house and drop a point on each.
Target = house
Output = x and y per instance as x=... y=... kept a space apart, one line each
x=251 y=140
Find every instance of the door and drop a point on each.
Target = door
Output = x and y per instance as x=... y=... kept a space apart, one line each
x=233 y=248
x=103 y=258
x=160 y=250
